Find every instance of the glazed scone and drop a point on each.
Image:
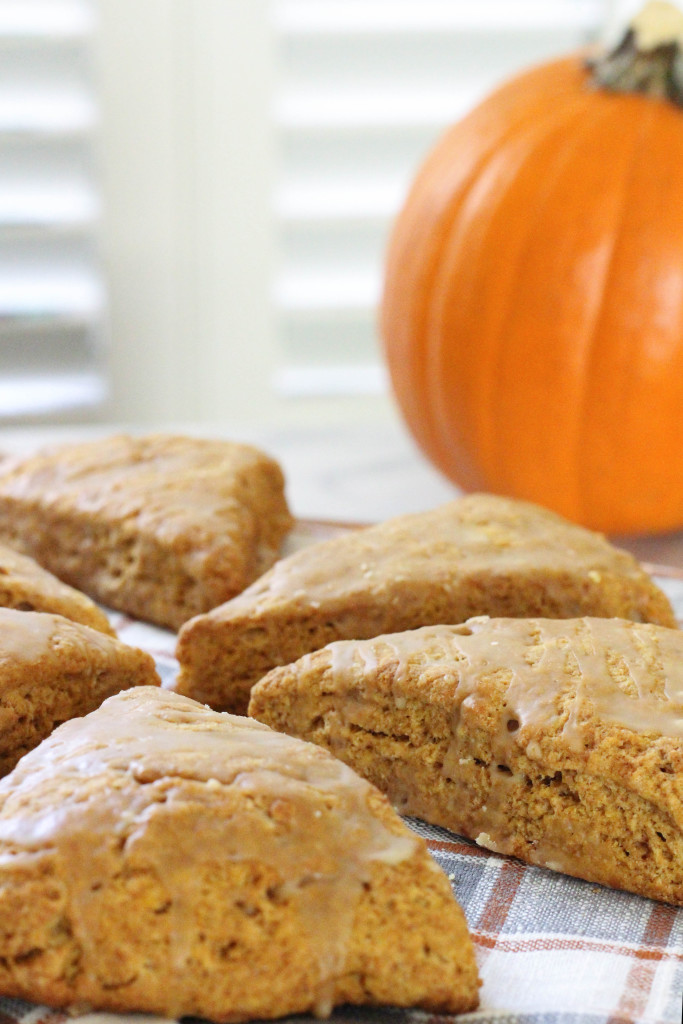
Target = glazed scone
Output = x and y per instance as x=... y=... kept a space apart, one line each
x=157 y=856
x=25 y=586
x=161 y=527
x=557 y=741
x=479 y=555
x=53 y=669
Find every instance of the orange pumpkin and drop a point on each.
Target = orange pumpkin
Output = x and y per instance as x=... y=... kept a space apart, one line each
x=532 y=313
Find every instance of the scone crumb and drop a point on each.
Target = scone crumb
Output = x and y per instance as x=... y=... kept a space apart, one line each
x=484 y=839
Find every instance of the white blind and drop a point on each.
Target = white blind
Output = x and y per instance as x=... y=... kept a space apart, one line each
x=51 y=290
x=363 y=90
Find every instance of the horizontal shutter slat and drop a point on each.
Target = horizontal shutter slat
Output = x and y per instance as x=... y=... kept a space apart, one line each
x=314 y=17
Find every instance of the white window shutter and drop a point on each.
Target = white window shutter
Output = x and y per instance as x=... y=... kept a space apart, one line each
x=51 y=286
x=363 y=90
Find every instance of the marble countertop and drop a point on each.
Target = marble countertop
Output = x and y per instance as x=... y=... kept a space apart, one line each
x=362 y=472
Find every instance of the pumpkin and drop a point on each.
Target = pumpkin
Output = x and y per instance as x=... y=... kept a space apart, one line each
x=532 y=312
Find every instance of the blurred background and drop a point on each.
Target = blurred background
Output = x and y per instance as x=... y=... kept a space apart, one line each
x=195 y=195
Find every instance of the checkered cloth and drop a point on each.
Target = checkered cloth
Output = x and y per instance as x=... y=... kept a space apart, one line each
x=551 y=949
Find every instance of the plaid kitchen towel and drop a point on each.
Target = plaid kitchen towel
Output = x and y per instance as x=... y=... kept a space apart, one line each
x=551 y=949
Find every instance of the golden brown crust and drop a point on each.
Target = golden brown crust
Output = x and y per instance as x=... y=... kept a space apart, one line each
x=26 y=586
x=478 y=555
x=53 y=669
x=559 y=742
x=170 y=860
x=161 y=527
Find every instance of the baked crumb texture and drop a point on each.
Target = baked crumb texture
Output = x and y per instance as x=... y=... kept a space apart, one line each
x=53 y=669
x=556 y=741
x=159 y=857
x=25 y=586
x=479 y=555
x=161 y=527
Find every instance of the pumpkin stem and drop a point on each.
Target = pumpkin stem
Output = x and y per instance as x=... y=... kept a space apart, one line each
x=649 y=58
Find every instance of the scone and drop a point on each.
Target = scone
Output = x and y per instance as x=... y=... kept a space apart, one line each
x=557 y=741
x=479 y=555
x=159 y=857
x=53 y=669
x=162 y=527
x=26 y=586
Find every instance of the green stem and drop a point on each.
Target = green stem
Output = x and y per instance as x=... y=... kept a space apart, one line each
x=649 y=58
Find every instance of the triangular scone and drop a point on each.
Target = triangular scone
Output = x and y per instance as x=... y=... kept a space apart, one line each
x=557 y=741
x=479 y=555
x=53 y=669
x=158 y=856
x=161 y=527
x=26 y=586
